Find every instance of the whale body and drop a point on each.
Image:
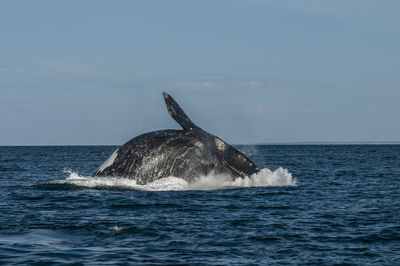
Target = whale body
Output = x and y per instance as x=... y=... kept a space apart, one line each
x=187 y=153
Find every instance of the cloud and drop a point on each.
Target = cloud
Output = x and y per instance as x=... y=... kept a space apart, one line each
x=61 y=75
x=227 y=83
x=255 y=110
x=263 y=110
x=48 y=71
x=4 y=64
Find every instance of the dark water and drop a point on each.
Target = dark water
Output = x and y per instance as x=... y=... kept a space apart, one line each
x=344 y=209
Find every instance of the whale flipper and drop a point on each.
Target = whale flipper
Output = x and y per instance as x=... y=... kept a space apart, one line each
x=177 y=113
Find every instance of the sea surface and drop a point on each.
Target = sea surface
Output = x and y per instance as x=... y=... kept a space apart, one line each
x=311 y=204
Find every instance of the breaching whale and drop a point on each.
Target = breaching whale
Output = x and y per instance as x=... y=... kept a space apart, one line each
x=187 y=154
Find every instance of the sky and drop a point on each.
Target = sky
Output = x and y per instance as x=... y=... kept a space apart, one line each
x=248 y=71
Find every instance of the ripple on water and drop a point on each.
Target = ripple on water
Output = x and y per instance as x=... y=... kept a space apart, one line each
x=318 y=205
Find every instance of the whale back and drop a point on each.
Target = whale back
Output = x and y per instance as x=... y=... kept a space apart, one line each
x=158 y=154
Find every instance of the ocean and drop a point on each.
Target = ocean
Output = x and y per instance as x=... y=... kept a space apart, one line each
x=311 y=204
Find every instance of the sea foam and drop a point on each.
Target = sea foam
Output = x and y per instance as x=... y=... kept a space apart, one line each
x=264 y=178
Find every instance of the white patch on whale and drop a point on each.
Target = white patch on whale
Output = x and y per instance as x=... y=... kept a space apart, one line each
x=109 y=161
x=220 y=144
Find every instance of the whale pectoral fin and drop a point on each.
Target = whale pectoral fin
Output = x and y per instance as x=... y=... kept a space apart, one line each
x=177 y=113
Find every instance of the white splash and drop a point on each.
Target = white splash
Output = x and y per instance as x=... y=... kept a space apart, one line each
x=264 y=178
x=109 y=161
x=118 y=229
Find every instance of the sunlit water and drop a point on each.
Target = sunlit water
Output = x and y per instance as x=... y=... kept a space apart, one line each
x=309 y=204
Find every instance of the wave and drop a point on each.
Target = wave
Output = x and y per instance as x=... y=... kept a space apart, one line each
x=264 y=178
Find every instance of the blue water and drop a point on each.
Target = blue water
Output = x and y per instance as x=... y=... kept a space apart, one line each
x=342 y=206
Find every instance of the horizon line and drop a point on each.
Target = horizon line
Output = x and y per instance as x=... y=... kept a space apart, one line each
x=239 y=144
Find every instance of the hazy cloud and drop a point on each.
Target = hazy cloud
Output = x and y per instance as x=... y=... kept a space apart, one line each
x=263 y=110
x=228 y=83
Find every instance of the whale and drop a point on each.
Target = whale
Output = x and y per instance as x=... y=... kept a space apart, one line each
x=188 y=154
